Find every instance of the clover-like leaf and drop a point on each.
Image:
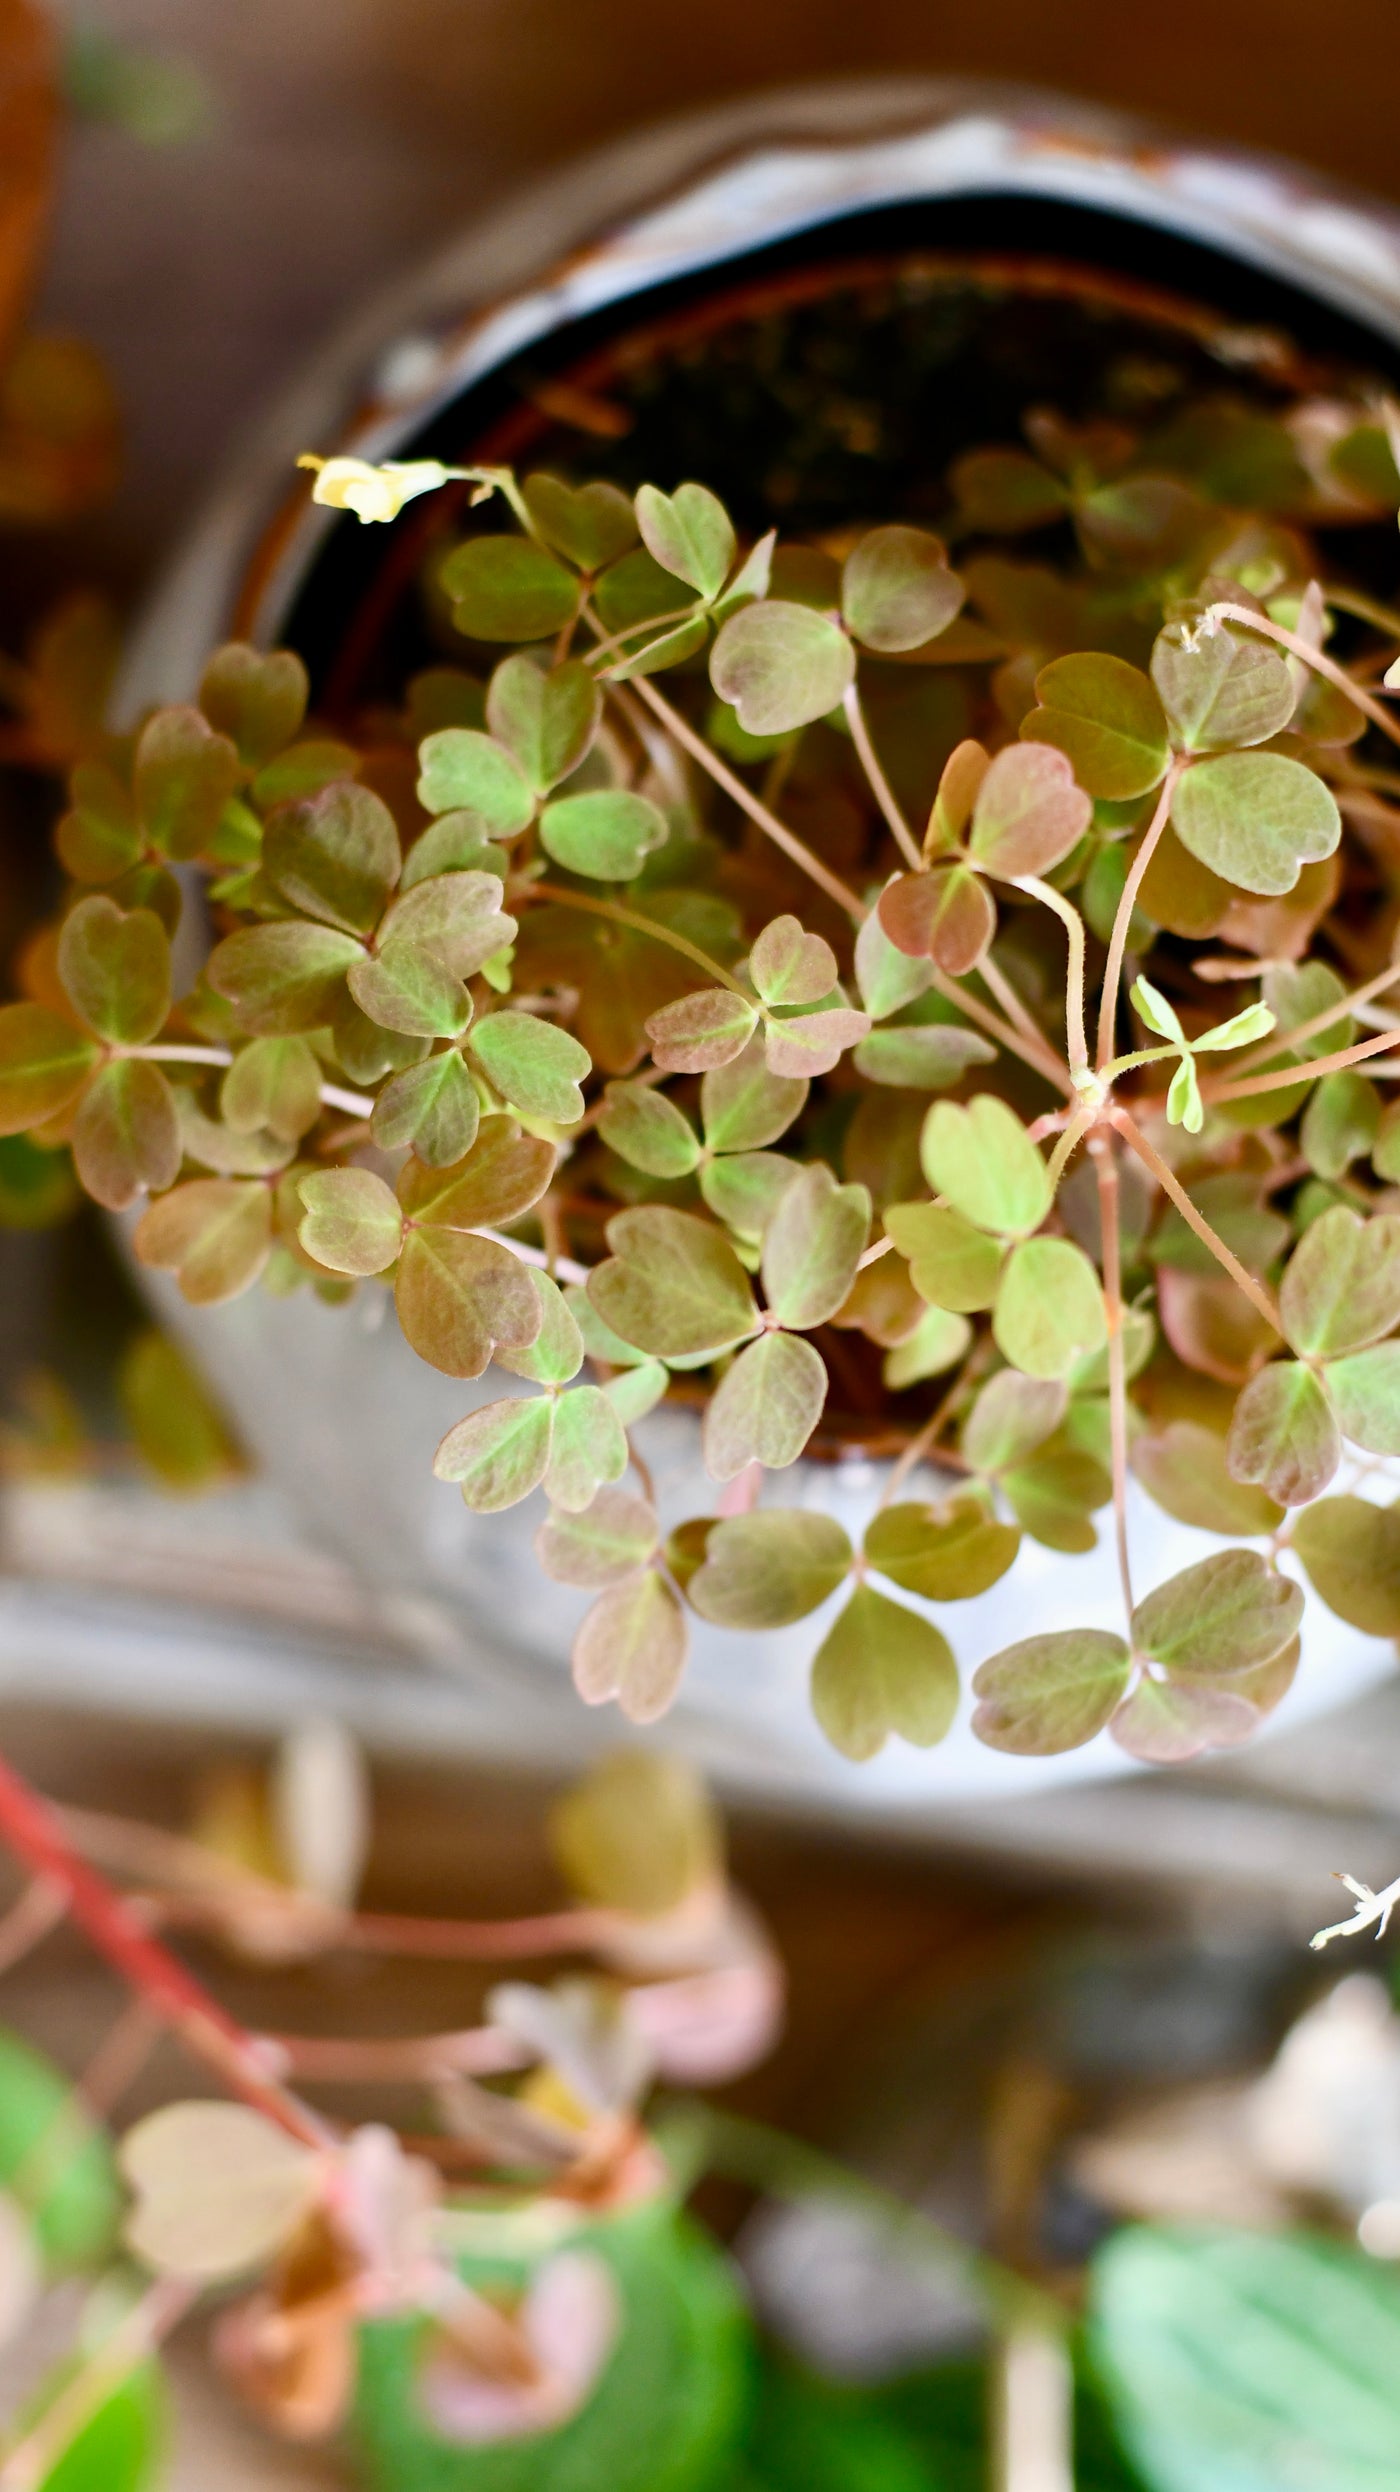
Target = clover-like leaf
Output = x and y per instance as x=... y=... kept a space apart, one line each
x=607 y=833
x=888 y=978
x=674 y=1286
x=272 y=1085
x=351 y=1221
x=499 y=1453
x=554 y=1353
x=743 y=1106
x=460 y=1297
x=1341 y=1122
x=218 y=2189
x=457 y=843
x=1220 y=689
x=648 y=1130
x=603 y=1545
x=44 y=1062
x=1184 y=1471
x=214 y=1234
x=256 y=698
x=406 y=987
x=458 y=917
x=216 y=1145
x=945 y=915
x=115 y=968
x=1054 y=1493
x=1050 y=1692
x=1105 y=717
x=1185 y=1106
x=770 y=1568
x=1006 y=491
x=590 y=525
x=744 y=1189
x=781 y=665
x=1351 y=1550
x=927 y=1055
x=1229 y=1613
x=501 y=1175
x=812 y=1245
x=897 y=591
x=951 y=1264
x=1255 y=819
x=535 y=1066
x=639 y=1833
x=1012 y=1416
x=813 y=1042
x=1168 y=1721
x=633 y=593
x=982 y=1161
x=632 y=1648
x=881 y=1669
x=335 y=857
x=1342 y=1286
x=636 y=1392
x=1241 y=1030
x=433 y=1108
x=943 y=1553
x=460 y=769
x=689 y=532
x=99 y=838
x=546 y=717
x=284 y=977
x=1049 y=1310
x=700 y=1032
x=182 y=778
x=1284 y=1436
x=789 y=966
x=588 y=1450
x=1029 y=813
x=126 y=1133
x=507 y=588
x=938 y=1342
x=765 y=1408
x=1365 y=1390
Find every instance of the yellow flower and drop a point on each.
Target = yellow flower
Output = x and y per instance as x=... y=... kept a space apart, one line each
x=347 y=484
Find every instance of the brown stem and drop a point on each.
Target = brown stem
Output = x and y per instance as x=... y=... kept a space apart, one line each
x=1312 y=1071
x=1040 y=1056
x=1118 y=939
x=1253 y=1290
x=1267 y=1047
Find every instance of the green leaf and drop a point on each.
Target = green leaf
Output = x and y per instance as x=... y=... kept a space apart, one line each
x=744 y=1189
x=789 y=966
x=1234 y=1205
x=590 y=525
x=943 y=1553
x=1365 y=1389
x=121 y=2446
x=608 y=833
x=813 y=1042
x=1160 y=1016
x=589 y=1448
x=1284 y=1435
x=1185 y=1106
x=1006 y=491
x=501 y=1175
x=929 y=1055
x=603 y=1545
x=44 y=1062
x=765 y=1408
x=888 y=978
x=1054 y=1494
x=303 y=770
x=880 y=1669
x=1248 y=2362
x=405 y=987
x=462 y=769
x=506 y=588
x=179 y=1432
x=460 y=1297
x=700 y=1032
x=944 y=916
x=1256 y=819
x=216 y=1145
x=781 y=665
x=951 y=1264
x=639 y=1833
x=1011 y=1417
x=554 y=1353
x=284 y=977
x=534 y=1065
x=1028 y=812
x=599 y=1340
x=336 y=857
x=1049 y=1311
x=547 y=719
x=743 y=1106
x=1340 y=1123
x=352 y=1222
x=99 y=838
x=214 y=1234
x=458 y=917
x=456 y=843
x=54 y=2150
x=634 y=591
x=674 y=1287
x=1241 y=1030
x=183 y=776
x=1342 y=1286
x=769 y=1568
x=499 y=1453
x=897 y=591
x=1220 y=688
x=1051 y=1692
x=648 y=1130
x=115 y=969
x=632 y=1647
x=1229 y=1613
x=126 y=1134
x=1351 y=1550
x=1184 y=1472
x=689 y=533
x=258 y=700
x=637 y=1391
x=273 y=1085
x=980 y=1158
x=813 y=1242
x=939 y=1341
x=1106 y=718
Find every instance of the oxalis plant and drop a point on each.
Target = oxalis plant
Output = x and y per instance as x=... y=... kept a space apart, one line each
x=946 y=1022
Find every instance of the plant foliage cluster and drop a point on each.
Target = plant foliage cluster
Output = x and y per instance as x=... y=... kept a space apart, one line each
x=694 y=1001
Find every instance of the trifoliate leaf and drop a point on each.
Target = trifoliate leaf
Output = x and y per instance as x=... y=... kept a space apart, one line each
x=1229 y=1613
x=951 y=1264
x=44 y=1062
x=1220 y=689
x=743 y=1106
x=335 y=857
x=648 y=1130
x=700 y=1032
x=589 y=1447
x=789 y=966
x=604 y=1544
x=980 y=1159
x=689 y=533
x=1028 y=813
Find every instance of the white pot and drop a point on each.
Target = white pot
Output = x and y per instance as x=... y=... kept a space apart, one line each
x=337 y=1409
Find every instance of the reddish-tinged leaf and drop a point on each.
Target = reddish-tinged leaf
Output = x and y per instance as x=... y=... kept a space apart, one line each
x=701 y=1032
x=546 y=718
x=501 y=1176
x=352 y=1222
x=126 y=1134
x=499 y=1453
x=459 y=1297
x=44 y=1062
x=1011 y=1418
x=1105 y=717
x=765 y=1408
x=897 y=591
x=184 y=775
x=675 y=1287
x=1284 y=1435
x=789 y=966
x=943 y=1553
x=769 y=1568
x=1212 y=1326
x=1029 y=812
x=606 y=1543
x=335 y=857
x=632 y=1647
x=814 y=1042
x=258 y=700
x=589 y=1447
x=1165 y=1724
x=284 y=977
x=1229 y=1613
x=1183 y=1470
x=214 y=1234
x=1366 y=1391
x=456 y=916
x=945 y=915
x=115 y=968
x=743 y=1106
x=1342 y=1286
x=433 y=1107
x=781 y=665
x=273 y=1085
x=1051 y=1692
x=812 y=1245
